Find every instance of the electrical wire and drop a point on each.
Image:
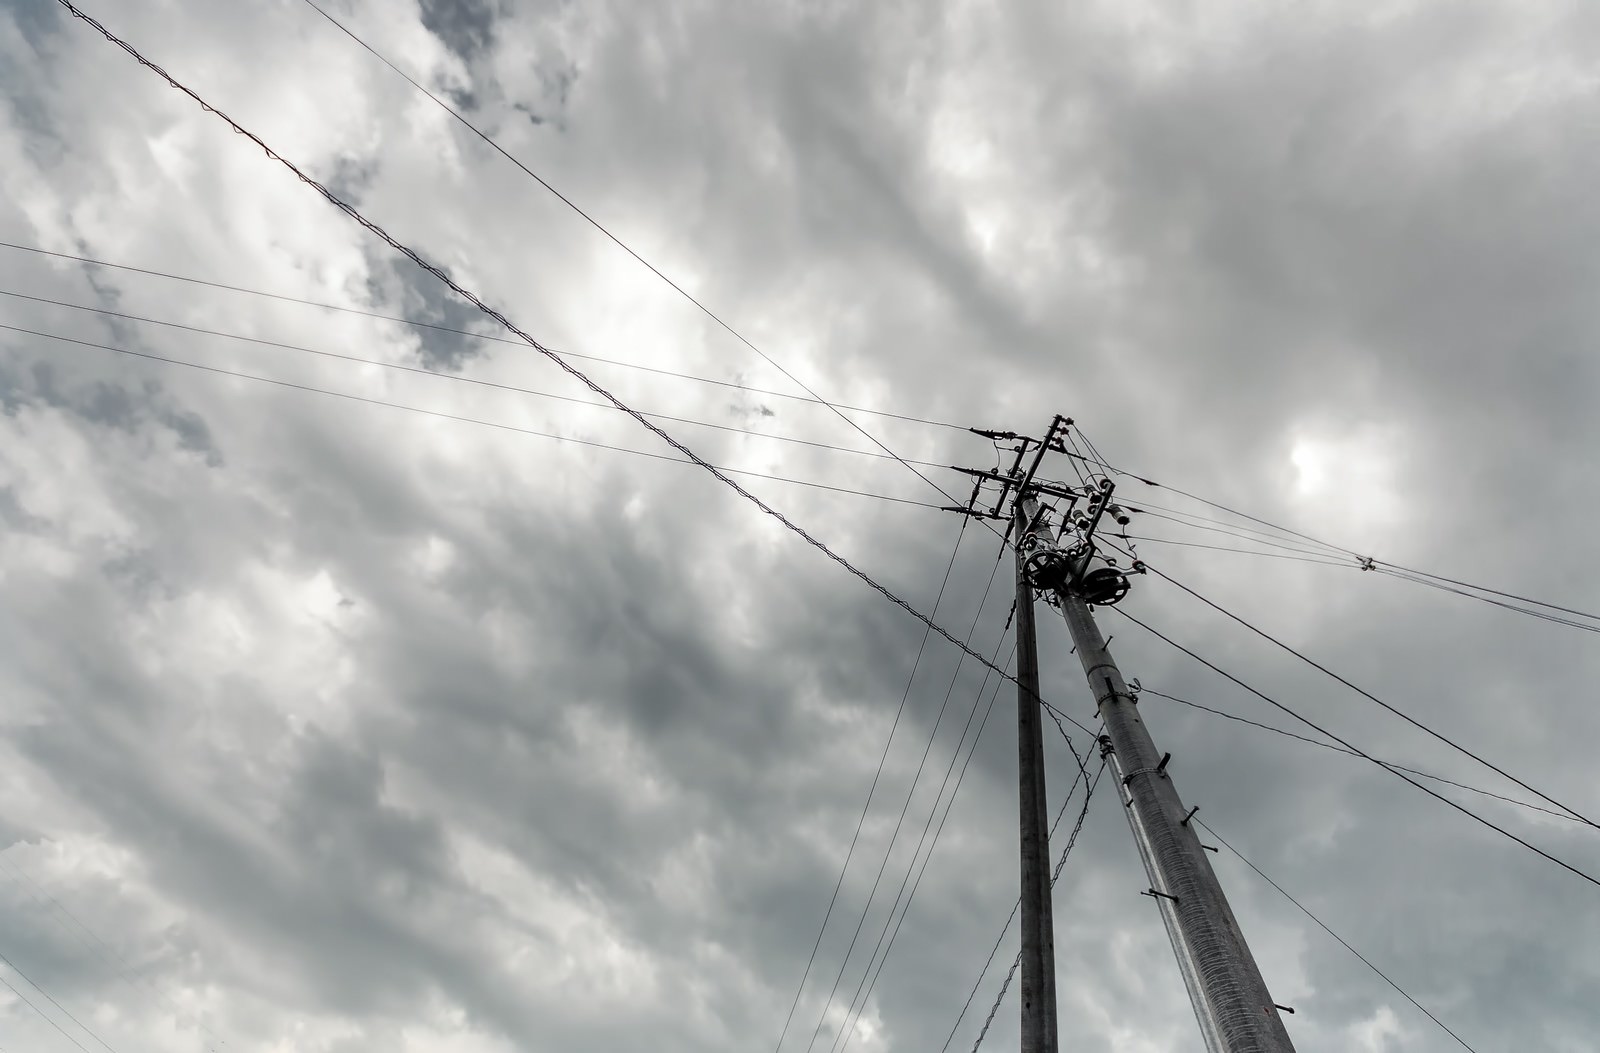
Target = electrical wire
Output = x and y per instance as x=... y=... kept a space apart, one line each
x=1365 y=561
x=906 y=807
x=99 y=947
x=1225 y=548
x=1016 y=962
x=1371 y=697
x=1340 y=749
x=1193 y=518
x=1323 y=926
x=48 y=1018
x=1062 y=811
x=355 y=214
x=456 y=377
x=240 y=375
x=1463 y=809
x=1286 y=546
x=859 y=1000
x=417 y=324
x=883 y=758
x=1532 y=613
x=453 y=112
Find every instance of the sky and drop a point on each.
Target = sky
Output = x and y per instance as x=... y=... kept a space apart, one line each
x=329 y=725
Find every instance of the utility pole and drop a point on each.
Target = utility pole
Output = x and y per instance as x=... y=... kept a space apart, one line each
x=1060 y=562
x=1038 y=991
x=1231 y=1002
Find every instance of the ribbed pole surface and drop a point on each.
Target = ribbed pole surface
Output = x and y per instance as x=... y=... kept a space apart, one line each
x=1231 y=1002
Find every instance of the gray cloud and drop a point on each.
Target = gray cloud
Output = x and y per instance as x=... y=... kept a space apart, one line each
x=353 y=729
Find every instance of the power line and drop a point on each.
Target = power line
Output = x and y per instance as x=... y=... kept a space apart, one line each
x=1365 y=561
x=863 y=991
x=949 y=805
x=99 y=947
x=48 y=1018
x=1320 y=924
x=424 y=371
x=86 y=1028
x=417 y=324
x=872 y=789
x=983 y=1032
x=1340 y=749
x=1437 y=584
x=240 y=375
x=1286 y=546
x=452 y=111
x=1370 y=696
x=906 y=807
x=1194 y=518
x=1225 y=548
x=725 y=478
x=1463 y=809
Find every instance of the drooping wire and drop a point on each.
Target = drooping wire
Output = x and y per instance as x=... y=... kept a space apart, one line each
x=1370 y=696
x=1278 y=544
x=1323 y=926
x=1243 y=551
x=1275 y=534
x=906 y=807
x=455 y=377
x=860 y=999
x=490 y=338
x=1463 y=809
x=1017 y=905
x=99 y=947
x=1367 y=562
x=1083 y=813
x=1592 y=627
x=577 y=374
x=883 y=759
x=595 y=444
x=453 y=112
x=1143 y=691
x=48 y=1018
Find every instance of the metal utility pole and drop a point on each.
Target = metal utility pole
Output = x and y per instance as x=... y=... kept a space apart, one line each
x=1038 y=991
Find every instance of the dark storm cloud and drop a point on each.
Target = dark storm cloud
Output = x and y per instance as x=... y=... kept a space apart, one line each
x=466 y=26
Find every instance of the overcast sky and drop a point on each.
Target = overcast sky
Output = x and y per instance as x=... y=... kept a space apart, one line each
x=333 y=727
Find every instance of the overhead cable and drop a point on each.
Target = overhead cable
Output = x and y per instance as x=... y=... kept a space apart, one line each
x=1323 y=926
x=1366 y=562
x=1016 y=962
x=886 y=937
x=911 y=791
x=490 y=338
x=1370 y=696
x=48 y=1018
x=883 y=758
x=459 y=378
x=453 y=112
x=355 y=214
x=1463 y=809
x=1143 y=691
x=240 y=375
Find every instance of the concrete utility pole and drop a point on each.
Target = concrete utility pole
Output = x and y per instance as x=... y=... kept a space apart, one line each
x=1236 y=1013
x=1231 y=1002
x=1038 y=991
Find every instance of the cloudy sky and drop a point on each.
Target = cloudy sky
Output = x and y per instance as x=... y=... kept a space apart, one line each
x=331 y=726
